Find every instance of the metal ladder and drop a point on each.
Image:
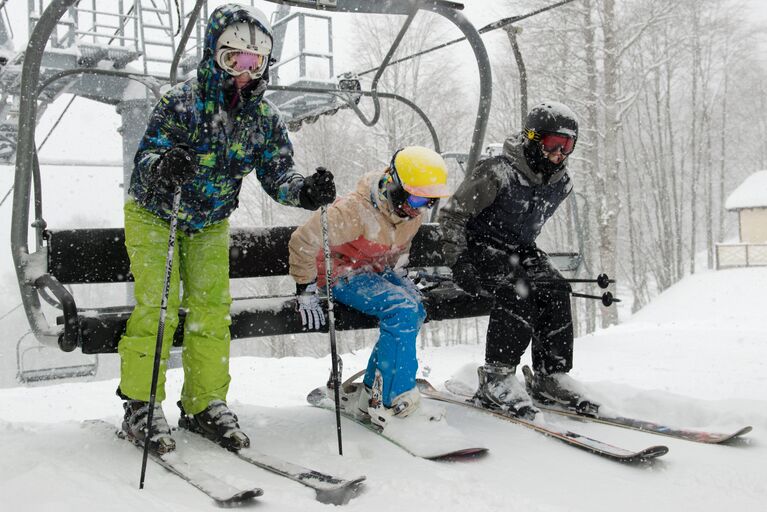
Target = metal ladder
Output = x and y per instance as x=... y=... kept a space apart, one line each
x=90 y=33
x=157 y=42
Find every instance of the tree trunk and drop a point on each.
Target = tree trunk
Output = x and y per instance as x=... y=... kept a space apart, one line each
x=694 y=147
x=723 y=149
x=589 y=132
x=608 y=201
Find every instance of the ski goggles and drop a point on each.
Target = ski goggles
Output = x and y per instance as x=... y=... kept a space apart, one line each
x=236 y=62
x=421 y=202
x=550 y=142
x=402 y=196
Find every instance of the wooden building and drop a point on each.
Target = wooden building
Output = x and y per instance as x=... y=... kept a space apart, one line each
x=749 y=201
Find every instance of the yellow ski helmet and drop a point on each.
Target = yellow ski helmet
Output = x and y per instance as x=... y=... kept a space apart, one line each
x=421 y=171
x=417 y=178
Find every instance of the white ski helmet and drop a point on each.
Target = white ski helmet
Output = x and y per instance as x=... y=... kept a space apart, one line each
x=247 y=37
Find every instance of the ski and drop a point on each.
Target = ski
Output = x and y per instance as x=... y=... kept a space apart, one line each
x=650 y=427
x=329 y=489
x=586 y=443
x=217 y=489
x=322 y=397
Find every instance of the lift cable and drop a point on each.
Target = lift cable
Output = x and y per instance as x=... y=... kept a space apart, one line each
x=487 y=28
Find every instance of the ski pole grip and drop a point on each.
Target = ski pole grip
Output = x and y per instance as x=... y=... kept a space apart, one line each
x=321 y=170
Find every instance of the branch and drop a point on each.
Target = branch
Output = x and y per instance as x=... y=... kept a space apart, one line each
x=662 y=16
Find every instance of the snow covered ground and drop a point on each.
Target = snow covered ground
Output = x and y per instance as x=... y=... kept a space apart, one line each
x=695 y=357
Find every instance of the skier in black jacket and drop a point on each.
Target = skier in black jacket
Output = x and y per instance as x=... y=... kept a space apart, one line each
x=489 y=227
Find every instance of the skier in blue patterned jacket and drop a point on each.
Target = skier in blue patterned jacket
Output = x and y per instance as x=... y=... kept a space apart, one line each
x=489 y=227
x=204 y=135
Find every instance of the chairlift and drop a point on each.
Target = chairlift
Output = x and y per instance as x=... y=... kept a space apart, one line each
x=66 y=257
x=33 y=363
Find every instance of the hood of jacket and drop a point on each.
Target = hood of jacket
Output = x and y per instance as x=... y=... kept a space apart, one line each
x=514 y=150
x=210 y=78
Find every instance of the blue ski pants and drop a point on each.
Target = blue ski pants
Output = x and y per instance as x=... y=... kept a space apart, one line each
x=396 y=302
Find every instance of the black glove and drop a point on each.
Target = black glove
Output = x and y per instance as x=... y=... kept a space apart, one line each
x=466 y=276
x=177 y=166
x=319 y=189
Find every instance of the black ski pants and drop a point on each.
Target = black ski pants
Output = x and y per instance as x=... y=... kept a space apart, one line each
x=524 y=310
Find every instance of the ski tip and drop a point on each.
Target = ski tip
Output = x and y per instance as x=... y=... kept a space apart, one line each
x=648 y=454
x=341 y=495
x=425 y=386
x=316 y=396
x=240 y=497
x=458 y=455
x=736 y=437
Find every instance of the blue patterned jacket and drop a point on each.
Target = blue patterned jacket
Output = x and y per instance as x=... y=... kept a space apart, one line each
x=229 y=144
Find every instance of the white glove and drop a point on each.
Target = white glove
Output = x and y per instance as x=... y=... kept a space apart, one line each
x=312 y=316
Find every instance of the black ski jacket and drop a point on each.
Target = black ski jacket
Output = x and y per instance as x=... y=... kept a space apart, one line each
x=501 y=205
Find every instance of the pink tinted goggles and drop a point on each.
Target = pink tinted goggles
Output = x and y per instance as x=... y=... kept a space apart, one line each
x=237 y=62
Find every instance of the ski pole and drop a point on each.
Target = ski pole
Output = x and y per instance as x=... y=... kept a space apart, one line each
x=160 y=329
x=331 y=317
x=607 y=298
x=602 y=280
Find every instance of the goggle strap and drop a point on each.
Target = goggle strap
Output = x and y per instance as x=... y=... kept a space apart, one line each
x=532 y=134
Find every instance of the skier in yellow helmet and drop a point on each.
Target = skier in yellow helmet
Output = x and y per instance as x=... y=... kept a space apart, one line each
x=370 y=232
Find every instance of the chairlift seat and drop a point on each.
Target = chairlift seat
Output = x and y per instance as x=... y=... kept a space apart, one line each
x=99 y=256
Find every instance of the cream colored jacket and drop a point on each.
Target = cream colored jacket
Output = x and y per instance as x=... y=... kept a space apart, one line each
x=364 y=234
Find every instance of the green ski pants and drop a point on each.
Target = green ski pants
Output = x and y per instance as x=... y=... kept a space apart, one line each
x=202 y=261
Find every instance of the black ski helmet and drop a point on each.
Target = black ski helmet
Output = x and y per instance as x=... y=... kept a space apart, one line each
x=547 y=117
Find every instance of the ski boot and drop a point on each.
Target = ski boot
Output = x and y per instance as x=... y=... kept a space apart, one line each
x=218 y=423
x=559 y=389
x=354 y=396
x=134 y=426
x=362 y=401
x=405 y=406
x=500 y=389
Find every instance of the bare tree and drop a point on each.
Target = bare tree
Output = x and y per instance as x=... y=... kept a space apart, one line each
x=659 y=87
